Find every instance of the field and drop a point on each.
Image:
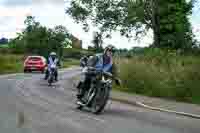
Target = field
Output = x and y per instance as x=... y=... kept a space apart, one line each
x=11 y=63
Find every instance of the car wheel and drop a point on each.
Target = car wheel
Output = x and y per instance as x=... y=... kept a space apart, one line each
x=25 y=71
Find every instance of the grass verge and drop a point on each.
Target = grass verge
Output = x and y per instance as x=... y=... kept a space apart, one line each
x=11 y=63
x=70 y=62
x=171 y=77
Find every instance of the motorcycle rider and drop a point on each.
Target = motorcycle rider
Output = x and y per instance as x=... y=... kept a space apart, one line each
x=83 y=61
x=52 y=59
x=103 y=61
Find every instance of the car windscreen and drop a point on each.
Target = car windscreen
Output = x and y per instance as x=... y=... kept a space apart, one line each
x=35 y=59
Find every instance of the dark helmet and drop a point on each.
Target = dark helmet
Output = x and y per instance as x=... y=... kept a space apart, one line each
x=109 y=48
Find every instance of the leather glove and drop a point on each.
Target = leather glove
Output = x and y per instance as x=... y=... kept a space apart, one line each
x=118 y=82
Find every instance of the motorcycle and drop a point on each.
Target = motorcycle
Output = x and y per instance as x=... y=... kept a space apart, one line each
x=52 y=72
x=98 y=94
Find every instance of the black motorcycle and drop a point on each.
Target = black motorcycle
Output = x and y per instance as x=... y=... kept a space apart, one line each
x=98 y=94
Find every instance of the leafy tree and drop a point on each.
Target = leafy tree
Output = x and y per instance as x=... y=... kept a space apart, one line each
x=167 y=19
x=39 y=39
x=175 y=28
x=97 y=41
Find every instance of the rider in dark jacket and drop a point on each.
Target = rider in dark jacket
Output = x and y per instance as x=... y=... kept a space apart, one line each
x=103 y=62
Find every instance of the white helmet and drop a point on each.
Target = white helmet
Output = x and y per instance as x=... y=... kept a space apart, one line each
x=52 y=54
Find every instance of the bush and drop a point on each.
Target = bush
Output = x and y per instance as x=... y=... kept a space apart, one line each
x=170 y=76
x=75 y=53
x=11 y=63
x=70 y=62
x=4 y=50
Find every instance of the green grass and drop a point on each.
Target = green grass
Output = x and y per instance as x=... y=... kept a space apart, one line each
x=70 y=62
x=4 y=46
x=171 y=76
x=11 y=63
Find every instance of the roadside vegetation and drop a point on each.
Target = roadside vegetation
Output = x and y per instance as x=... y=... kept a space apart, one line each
x=11 y=63
x=163 y=74
x=70 y=62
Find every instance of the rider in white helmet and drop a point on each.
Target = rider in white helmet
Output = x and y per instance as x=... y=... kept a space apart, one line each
x=52 y=59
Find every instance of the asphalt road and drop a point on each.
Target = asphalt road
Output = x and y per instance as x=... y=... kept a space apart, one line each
x=53 y=110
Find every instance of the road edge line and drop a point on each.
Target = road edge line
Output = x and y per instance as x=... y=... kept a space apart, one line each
x=140 y=104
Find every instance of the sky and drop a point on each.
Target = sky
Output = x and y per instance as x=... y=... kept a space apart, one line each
x=52 y=12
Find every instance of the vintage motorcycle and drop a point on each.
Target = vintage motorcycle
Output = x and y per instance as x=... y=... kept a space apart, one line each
x=97 y=96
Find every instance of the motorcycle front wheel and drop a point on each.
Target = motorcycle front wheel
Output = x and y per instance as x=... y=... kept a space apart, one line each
x=50 y=80
x=100 y=100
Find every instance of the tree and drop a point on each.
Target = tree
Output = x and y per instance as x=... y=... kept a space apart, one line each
x=3 y=40
x=97 y=41
x=175 y=28
x=38 y=39
x=167 y=19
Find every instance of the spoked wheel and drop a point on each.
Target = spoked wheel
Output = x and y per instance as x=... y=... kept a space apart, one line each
x=100 y=100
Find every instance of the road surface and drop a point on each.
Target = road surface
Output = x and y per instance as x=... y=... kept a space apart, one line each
x=52 y=110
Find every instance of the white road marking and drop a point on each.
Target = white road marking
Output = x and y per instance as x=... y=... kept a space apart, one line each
x=96 y=119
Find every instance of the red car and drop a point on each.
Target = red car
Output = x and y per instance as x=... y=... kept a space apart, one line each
x=35 y=63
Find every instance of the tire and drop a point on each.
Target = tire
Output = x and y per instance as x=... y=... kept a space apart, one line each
x=104 y=97
x=42 y=71
x=25 y=71
x=50 y=80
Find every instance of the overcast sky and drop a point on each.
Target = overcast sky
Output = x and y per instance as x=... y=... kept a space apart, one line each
x=52 y=12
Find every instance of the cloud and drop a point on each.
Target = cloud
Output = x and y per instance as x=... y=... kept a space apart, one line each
x=11 y=3
x=54 y=2
x=14 y=3
x=5 y=19
x=12 y=20
x=13 y=12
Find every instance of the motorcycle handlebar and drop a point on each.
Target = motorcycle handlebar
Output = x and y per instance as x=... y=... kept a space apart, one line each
x=95 y=71
x=101 y=71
